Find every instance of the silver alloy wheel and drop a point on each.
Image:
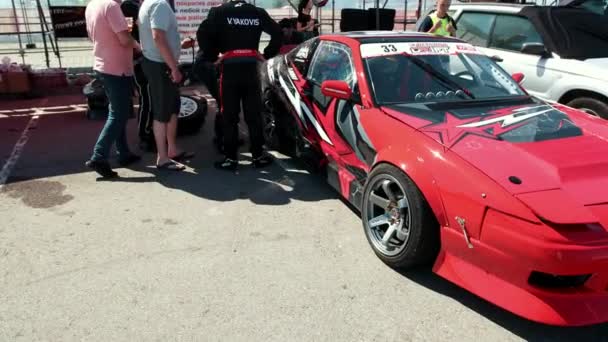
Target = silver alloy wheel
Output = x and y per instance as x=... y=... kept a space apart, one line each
x=188 y=107
x=388 y=216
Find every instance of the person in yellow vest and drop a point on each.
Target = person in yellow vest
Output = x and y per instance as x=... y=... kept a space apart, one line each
x=439 y=22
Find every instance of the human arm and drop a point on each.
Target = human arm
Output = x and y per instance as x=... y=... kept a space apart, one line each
x=160 y=23
x=206 y=36
x=273 y=29
x=452 y=27
x=118 y=24
x=160 y=40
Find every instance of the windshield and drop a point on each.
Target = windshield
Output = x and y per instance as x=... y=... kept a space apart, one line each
x=434 y=72
x=595 y=6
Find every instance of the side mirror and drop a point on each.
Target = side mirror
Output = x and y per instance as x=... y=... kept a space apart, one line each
x=337 y=89
x=518 y=77
x=537 y=49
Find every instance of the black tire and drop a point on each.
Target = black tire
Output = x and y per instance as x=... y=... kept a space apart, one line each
x=590 y=105
x=280 y=132
x=192 y=115
x=422 y=244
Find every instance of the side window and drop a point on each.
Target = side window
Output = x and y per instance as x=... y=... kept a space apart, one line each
x=474 y=28
x=302 y=55
x=512 y=32
x=332 y=62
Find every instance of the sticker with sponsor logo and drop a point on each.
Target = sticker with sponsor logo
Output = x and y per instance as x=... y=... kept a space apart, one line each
x=292 y=74
x=417 y=49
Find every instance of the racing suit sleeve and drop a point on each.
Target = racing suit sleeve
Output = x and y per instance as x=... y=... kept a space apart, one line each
x=207 y=38
x=273 y=29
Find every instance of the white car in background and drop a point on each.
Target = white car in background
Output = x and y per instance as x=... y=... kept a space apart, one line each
x=562 y=52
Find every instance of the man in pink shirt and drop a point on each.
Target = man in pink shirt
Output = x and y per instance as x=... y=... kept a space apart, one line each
x=113 y=48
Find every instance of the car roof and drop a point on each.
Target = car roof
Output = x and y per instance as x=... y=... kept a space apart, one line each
x=491 y=6
x=366 y=37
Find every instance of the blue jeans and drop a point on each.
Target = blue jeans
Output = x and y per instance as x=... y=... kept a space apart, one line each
x=119 y=90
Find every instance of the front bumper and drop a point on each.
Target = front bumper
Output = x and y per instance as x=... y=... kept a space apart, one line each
x=501 y=264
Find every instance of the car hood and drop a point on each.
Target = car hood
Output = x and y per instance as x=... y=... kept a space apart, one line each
x=598 y=62
x=531 y=148
x=593 y=68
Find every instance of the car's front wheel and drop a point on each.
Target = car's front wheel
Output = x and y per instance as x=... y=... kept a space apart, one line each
x=398 y=223
x=591 y=106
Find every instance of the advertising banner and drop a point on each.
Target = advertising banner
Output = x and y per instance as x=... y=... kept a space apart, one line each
x=190 y=14
x=68 y=21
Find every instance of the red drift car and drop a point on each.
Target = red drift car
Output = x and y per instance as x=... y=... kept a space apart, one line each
x=450 y=161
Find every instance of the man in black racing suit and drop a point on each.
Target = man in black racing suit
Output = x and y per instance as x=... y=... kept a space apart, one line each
x=234 y=30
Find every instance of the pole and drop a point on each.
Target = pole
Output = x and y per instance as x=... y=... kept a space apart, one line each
x=404 y=15
x=46 y=48
x=21 y=51
x=377 y=15
x=292 y=5
x=333 y=16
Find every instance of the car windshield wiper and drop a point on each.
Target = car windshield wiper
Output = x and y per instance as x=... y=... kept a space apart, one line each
x=441 y=77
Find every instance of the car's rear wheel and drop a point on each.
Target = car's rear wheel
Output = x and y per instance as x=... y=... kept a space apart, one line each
x=591 y=106
x=398 y=223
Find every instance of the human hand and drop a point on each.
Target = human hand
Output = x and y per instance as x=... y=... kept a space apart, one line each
x=188 y=43
x=136 y=47
x=436 y=26
x=451 y=29
x=176 y=75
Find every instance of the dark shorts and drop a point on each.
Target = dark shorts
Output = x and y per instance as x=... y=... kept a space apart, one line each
x=164 y=94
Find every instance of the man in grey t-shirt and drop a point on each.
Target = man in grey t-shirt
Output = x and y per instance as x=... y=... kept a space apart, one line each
x=160 y=44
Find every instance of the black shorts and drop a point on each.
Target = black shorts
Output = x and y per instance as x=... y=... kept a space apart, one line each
x=164 y=94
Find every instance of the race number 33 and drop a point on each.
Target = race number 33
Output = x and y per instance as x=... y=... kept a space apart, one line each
x=389 y=48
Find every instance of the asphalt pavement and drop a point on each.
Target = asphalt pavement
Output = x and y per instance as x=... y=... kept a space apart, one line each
x=262 y=255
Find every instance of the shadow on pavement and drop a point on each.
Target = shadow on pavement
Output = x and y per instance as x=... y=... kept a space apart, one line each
x=268 y=186
x=528 y=330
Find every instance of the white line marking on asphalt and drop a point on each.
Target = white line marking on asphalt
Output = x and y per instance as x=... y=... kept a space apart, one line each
x=17 y=150
x=16 y=113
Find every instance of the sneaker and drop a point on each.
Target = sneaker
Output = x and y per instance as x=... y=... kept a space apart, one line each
x=262 y=161
x=227 y=164
x=131 y=159
x=102 y=168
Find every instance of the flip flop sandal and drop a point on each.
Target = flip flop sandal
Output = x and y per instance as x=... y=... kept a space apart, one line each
x=171 y=166
x=183 y=157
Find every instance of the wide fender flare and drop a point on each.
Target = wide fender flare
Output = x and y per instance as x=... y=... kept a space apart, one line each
x=414 y=165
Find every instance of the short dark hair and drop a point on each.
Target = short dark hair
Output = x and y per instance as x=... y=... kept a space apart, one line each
x=287 y=23
x=302 y=4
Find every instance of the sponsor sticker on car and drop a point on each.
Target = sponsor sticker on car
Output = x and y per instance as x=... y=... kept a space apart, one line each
x=416 y=49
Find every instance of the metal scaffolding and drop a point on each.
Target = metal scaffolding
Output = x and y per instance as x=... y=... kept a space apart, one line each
x=26 y=20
